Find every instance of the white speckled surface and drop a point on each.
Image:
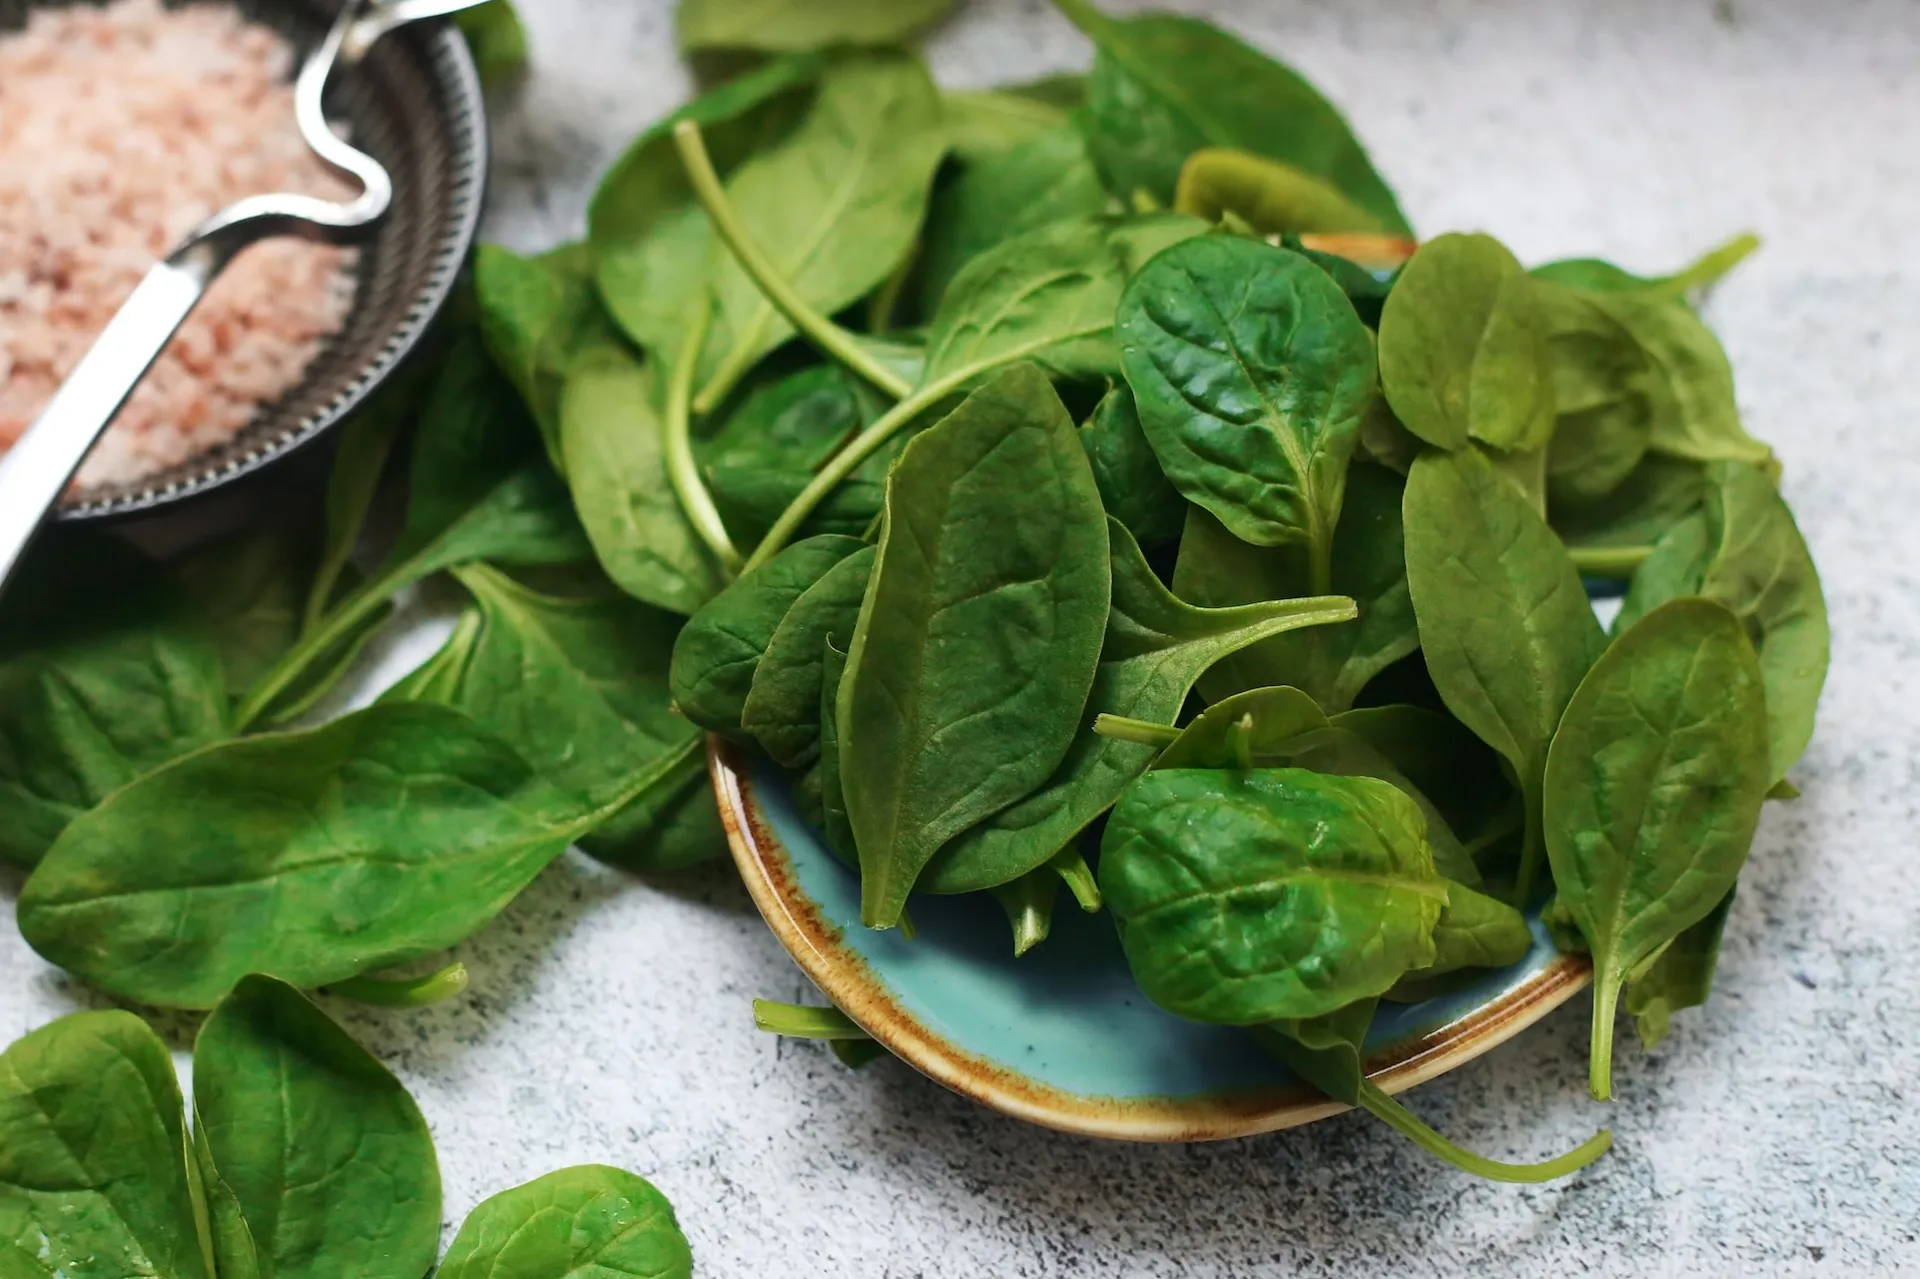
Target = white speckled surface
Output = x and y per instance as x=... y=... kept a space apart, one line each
x=1776 y=1133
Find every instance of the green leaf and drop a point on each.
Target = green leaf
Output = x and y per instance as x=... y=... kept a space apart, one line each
x=1271 y=198
x=611 y=430
x=649 y=237
x=1332 y=663
x=836 y=205
x=1474 y=931
x=248 y=589
x=227 y=1234
x=1248 y=897
x=93 y=1155
x=1656 y=496
x=983 y=123
x=1163 y=87
x=1504 y=623
x=1156 y=647
x=1463 y=348
x=366 y=443
x=372 y=841
x=537 y=314
x=498 y=41
x=782 y=26
x=580 y=1223
x=980 y=635
x=835 y=825
x=1598 y=276
x=1681 y=977
x=105 y=673
x=1133 y=488
x=1445 y=762
x=782 y=710
x=1653 y=791
x=438 y=678
x=1695 y=416
x=1603 y=399
x=326 y=1154
x=1251 y=371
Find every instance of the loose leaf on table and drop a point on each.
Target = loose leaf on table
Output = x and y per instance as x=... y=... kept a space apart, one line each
x=716 y=655
x=1368 y=563
x=836 y=205
x=537 y=314
x=1695 y=415
x=1251 y=373
x=649 y=236
x=1156 y=647
x=1653 y=792
x=1604 y=400
x=1133 y=488
x=1463 y=348
x=498 y=41
x=105 y=673
x=1163 y=87
x=782 y=710
x=93 y=1155
x=1246 y=897
x=1747 y=553
x=784 y=26
x=377 y=839
x=579 y=1223
x=980 y=636
x=610 y=428
x=327 y=1156
x=1681 y=977
x=1504 y=623
x=1270 y=197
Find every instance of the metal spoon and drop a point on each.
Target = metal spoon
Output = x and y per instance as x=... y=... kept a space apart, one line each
x=39 y=467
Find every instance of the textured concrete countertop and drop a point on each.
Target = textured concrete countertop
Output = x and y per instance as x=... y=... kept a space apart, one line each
x=1777 y=1132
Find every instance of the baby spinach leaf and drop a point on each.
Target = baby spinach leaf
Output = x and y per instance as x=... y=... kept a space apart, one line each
x=1505 y=626
x=1163 y=87
x=536 y=314
x=227 y=1235
x=782 y=710
x=1617 y=532
x=835 y=825
x=1474 y=931
x=1133 y=488
x=670 y=824
x=782 y=26
x=1333 y=663
x=1446 y=763
x=1653 y=791
x=105 y=673
x=648 y=234
x=1247 y=897
x=716 y=655
x=1681 y=977
x=1598 y=276
x=981 y=634
x=372 y=841
x=611 y=429
x=835 y=205
x=326 y=1154
x=1251 y=372
x=498 y=41
x=1695 y=414
x=1676 y=566
x=249 y=589
x=1270 y=197
x=1156 y=647
x=988 y=122
x=580 y=1223
x=93 y=1155
x=438 y=678
x=1463 y=348
x=1603 y=405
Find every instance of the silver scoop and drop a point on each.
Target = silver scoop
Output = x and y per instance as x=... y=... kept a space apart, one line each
x=36 y=471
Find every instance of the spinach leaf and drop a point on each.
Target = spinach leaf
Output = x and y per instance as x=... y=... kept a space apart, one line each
x=498 y=41
x=1676 y=566
x=438 y=678
x=980 y=636
x=1243 y=897
x=1251 y=372
x=780 y=26
x=835 y=825
x=536 y=314
x=1504 y=624
x=782 y=710
x=1603 y=404
x=1653 y=791
x=649 y=236
x=374 y=840
x=1598 y=276
x=227 y=1234
x=1156 y=647
x=836 y=206
x=1270 y=197
x=716 y=655
x=579 y=1222
x=93 y=1155
x=1695 y=414
x=983 y=123
x=249 y=589
x=1680 y=977
x=1163 y=87
x=1446 y=763
x=1463 y=348
x=105 y=673
x=610 y=428
x=360 y=463
x=1474 y=931
x=1368 y=563
x=1612 y=536
x=325 y=1153
x=1133 y=488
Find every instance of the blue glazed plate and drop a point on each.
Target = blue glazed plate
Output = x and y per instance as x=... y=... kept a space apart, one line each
x=1062 y=1037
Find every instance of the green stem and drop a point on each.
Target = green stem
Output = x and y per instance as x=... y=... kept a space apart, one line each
x=1709 y=269
x=413 y=992
x=802 y=1021
x=1606 y=1002
x=835 y=341
x=1531 y=844
x=1073 y=868
x=682 y=472
x=1321 y=569
x=335 y=628
x=1403 y=1121
x=1143 y=732
x=1029 y=913
x=1609 y=561
x=688 y=756
x=886 y=299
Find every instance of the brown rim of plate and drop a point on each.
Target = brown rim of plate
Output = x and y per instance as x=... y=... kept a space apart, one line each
x=843 y=977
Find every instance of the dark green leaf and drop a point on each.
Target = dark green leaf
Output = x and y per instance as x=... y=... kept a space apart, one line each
x=1446 y=763
x=782 y=710
x=538 y=314
x=1695 y=416
x=1681 y=977
x=249 y=589
x=590 y=1222
x=1474 y=931
x=1659 y=493
x=782 y=26
x=1133 y=488
x=835 y=825
x=1603 y=400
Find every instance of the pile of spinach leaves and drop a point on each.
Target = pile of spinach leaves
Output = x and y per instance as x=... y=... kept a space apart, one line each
x=1087 y=483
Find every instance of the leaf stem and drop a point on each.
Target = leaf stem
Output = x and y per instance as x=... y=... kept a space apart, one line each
x=333 y=629
x=1073 y=868
x=803 y=1021
x=1709 y=270
x=835 y=341
x=677 y=426
x=1530 y=846
x=1614 y=562
x=886 y=299
x=1143 y=732
x=1606 y=1002
x=413 y=992
x=1403 y=1121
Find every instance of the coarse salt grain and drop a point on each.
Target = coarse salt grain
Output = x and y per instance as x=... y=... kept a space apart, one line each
x=121 y=129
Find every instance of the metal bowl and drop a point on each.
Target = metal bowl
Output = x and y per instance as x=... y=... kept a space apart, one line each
x=415 y=105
